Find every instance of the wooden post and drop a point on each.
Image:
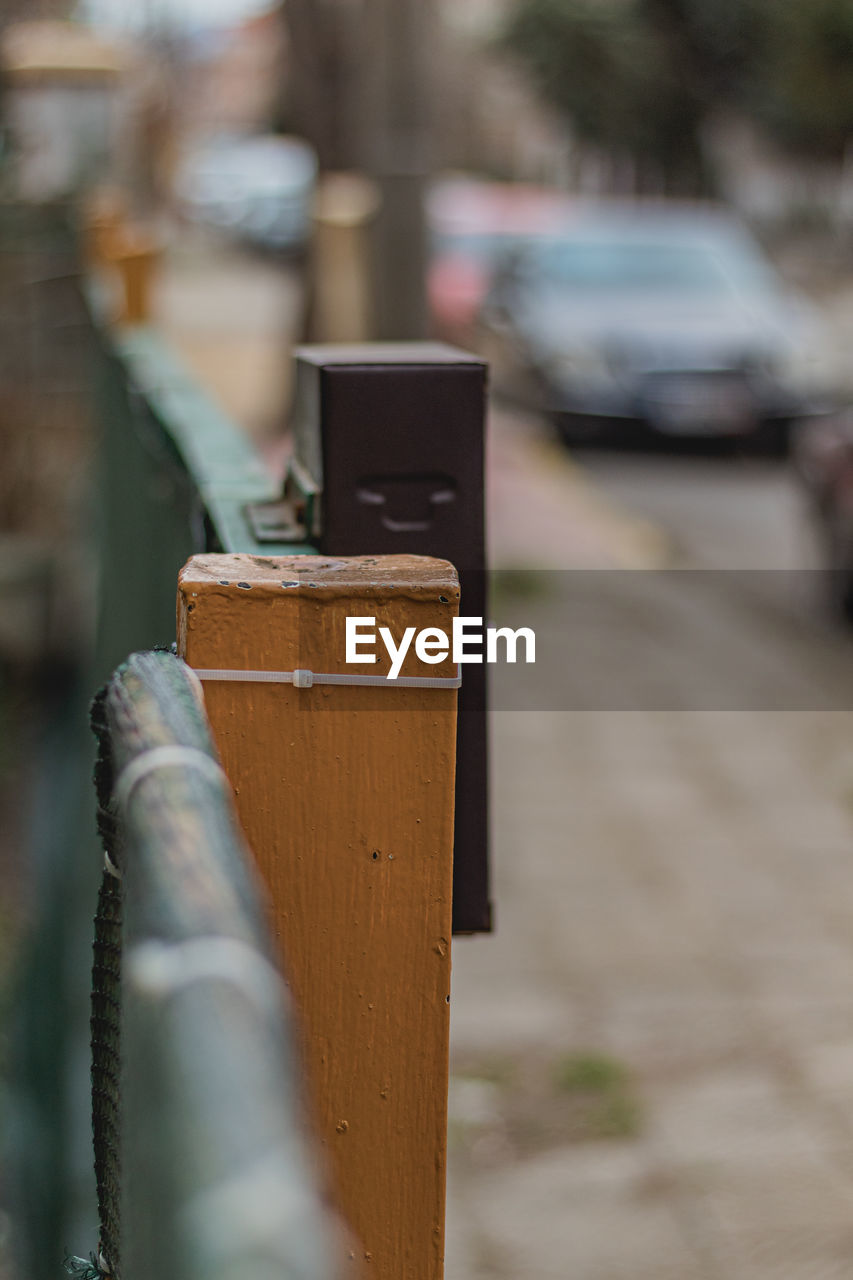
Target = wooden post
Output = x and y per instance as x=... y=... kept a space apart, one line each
x=344 y=209
x=135 y=255
x=345 y=794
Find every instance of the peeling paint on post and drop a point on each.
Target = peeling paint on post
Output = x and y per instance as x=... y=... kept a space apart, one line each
x=346 y=797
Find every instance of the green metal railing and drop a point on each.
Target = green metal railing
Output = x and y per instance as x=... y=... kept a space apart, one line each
x=177 y=478
x=173 y=477
x=202 y=1162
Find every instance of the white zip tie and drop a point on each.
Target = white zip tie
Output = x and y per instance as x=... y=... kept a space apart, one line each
x=110 y=867
x=167 y=757
x=303 y=679
x=195 y=685
x=162 y=969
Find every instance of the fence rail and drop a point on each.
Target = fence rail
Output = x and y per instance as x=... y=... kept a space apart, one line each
x=348 y=804
x=203 y=1165
x=177 y=478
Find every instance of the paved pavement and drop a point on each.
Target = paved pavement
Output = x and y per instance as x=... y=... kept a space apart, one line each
x=674 y=898
x=653 y=1055
x=674 y=894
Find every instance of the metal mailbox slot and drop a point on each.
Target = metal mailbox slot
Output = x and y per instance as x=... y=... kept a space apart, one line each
x=388 y=459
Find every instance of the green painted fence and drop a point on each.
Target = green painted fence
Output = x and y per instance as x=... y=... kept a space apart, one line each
x=173 y=476
x=177 y=477
x=204 y=1170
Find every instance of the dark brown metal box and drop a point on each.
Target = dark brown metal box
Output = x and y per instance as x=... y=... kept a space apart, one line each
x=389 y=458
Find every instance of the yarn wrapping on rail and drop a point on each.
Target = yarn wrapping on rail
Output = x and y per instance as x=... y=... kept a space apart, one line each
x=105 y=1016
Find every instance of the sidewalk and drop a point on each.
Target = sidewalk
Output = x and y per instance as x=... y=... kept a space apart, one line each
x=673 y=898
x=544 y=513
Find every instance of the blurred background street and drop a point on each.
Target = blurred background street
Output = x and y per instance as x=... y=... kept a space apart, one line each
x=653 y=1055
x=642 y=215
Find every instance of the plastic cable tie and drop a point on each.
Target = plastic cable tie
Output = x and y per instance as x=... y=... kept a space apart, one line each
x=110 y=867
x=301 y=678
x=195 y=686
x=168 y=757
x=164 y=968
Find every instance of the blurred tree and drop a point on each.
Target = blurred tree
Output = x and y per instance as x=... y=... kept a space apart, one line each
x=323 y=100
x=607 y=66
x=802 y=85
x=643 y=75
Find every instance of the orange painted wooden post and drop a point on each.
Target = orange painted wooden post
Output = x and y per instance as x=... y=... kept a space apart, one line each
x=134 y=254
x=346 y=797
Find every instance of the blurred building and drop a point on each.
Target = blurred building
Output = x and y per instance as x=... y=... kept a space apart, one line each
x=488 y=118
x=770 y=186
x=234 y=80
x=62 y=86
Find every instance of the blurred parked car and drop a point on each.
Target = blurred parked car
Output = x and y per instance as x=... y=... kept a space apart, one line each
x=258 y=189
x=663 y=316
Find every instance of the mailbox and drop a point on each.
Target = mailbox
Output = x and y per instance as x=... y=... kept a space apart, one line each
x=388 y=459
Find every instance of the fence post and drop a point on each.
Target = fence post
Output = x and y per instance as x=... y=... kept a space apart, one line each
x=345 y=794
x=134 y=253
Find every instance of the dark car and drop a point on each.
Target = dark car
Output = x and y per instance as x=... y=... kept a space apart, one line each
x=664 y=317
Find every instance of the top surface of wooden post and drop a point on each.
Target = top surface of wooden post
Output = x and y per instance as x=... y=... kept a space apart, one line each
x=376 y=575
x=345 y=794
x=316 y=595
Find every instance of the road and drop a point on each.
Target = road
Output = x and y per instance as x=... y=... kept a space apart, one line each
x=717 y=512
x=653 y=1055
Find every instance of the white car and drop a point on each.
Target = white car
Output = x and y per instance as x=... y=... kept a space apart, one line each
x=259 y=189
